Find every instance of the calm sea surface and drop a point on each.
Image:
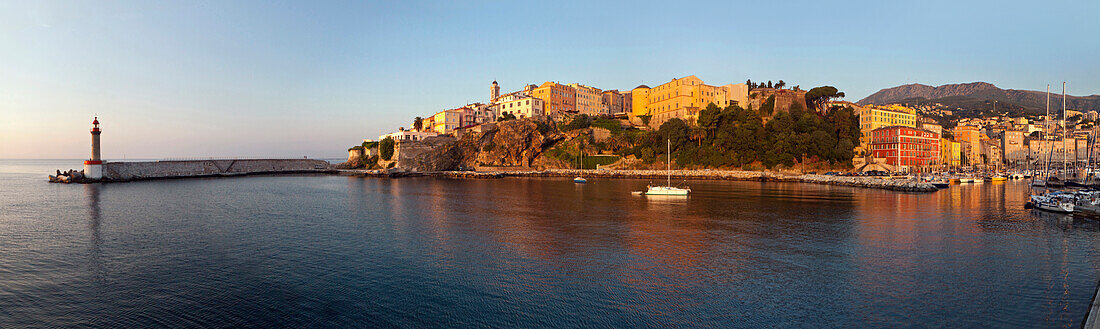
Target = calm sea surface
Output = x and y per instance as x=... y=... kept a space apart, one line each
x=331 y=251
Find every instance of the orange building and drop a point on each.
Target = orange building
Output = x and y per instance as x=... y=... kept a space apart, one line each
x=558 y=98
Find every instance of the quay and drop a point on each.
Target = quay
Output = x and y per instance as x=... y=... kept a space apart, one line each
x=170 y=169
x=96 y=170
x=1092 y=316
x=733 y=175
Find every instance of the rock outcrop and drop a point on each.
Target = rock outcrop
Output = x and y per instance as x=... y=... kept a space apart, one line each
x=438 y=153
x=513 y=143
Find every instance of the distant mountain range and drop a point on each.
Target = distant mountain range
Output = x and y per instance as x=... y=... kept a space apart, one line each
x=979 y=96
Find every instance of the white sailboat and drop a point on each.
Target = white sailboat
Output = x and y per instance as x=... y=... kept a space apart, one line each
x=668 y=189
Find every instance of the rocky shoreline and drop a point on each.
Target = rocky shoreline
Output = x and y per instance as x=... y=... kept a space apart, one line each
x=904 y=185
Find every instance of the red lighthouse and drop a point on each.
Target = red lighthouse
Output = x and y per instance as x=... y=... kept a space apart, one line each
x=93 y=168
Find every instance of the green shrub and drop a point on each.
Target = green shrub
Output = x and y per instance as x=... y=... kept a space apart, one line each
x=590 y=162
x=385 y=148
x=611 y=125
x=579 y=122
x=542 y=127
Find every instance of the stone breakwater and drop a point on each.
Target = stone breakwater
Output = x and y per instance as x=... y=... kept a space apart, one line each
x=906 y=185
x=143 y=170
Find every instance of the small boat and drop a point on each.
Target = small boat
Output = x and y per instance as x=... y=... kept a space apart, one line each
x=1053 y=202
x=579 y=180
x=1038 y=182
x=668 y=189
x=998 y=178
x=939 y=183
x=1087 y=203
x=1070 y=183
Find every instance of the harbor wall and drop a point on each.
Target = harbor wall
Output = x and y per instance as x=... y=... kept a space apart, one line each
x=658 y=176
x=124 y=171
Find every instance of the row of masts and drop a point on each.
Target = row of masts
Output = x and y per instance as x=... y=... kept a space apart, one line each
x=1090 y=142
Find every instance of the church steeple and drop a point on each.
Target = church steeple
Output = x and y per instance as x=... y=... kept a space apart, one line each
x=494 y=91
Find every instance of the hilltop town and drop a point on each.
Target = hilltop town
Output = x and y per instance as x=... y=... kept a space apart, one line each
x=750 y=125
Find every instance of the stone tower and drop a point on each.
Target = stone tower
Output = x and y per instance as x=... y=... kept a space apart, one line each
x=93 y=168
x=494 y=91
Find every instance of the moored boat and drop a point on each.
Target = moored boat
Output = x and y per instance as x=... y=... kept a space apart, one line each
x=668 y=189
x=1053 y=202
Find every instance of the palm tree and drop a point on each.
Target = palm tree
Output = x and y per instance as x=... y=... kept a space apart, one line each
x=418 y=123
x=698 y=134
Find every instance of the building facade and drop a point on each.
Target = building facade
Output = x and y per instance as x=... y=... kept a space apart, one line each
x=950 y=153
x=1012 y=144
x=444 y=122
x=617 y=103
x=906 y=148
x=557 y=98
x=520 y=106
x=873 y=117
x=785 y=99
x=589 y=100
x=408 y=135
x=683 y=98
x=969 y=138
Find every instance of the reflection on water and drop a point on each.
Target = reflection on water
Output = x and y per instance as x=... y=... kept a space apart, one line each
x=315 y=251
x=94 y=262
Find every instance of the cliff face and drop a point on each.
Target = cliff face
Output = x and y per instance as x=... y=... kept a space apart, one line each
x=430 y=154
x=514 y=143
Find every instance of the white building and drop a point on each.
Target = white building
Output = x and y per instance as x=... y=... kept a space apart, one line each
x=408 y=135
x=521 y=106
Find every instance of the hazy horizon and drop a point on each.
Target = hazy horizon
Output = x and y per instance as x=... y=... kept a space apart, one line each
x=256 y=79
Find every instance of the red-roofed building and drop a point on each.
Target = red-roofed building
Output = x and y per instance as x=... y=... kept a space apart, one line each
x=906 y=148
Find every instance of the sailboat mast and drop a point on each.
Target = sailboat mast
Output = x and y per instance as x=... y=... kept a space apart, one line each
x=669 y=151
x=1064 y=132
x=1046 y=131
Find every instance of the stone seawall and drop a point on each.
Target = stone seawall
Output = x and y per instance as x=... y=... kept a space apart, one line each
x=126 y=171
x=905 y=185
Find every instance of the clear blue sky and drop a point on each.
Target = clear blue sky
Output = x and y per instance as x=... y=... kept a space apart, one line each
x=236 y=78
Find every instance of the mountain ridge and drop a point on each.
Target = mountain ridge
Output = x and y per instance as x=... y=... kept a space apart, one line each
x=977 y=96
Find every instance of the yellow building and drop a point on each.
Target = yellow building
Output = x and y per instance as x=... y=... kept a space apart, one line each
x=683 y=98
x=950 y=152
x=872 y=117
x=445 y=122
